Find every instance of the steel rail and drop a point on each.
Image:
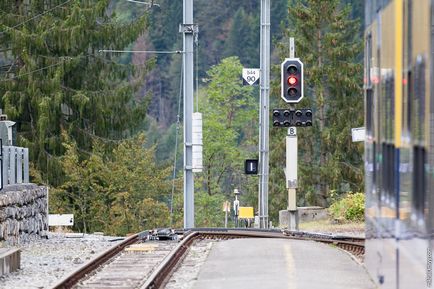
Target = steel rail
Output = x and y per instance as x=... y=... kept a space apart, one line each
x=92 y=265
x=164 y=270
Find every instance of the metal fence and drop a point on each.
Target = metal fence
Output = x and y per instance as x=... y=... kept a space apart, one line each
x=14 y=165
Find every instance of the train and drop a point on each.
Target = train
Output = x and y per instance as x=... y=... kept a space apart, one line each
x=399 y=144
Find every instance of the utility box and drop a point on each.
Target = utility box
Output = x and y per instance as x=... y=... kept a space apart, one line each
x=8 y=131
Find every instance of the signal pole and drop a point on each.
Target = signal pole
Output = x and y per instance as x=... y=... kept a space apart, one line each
x=188 y=29
x=264 y=114
x=292 y=162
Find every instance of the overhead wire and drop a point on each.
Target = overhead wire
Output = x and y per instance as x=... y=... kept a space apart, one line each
x=33 y=71
x=36 y=16
x=143 y=51
x=178 y=117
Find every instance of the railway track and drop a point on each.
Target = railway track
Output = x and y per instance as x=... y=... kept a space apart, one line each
x=148 y=265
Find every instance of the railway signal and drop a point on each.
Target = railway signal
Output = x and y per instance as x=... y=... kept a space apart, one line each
x=251 y=167
x=286 y=117
x=292 y=80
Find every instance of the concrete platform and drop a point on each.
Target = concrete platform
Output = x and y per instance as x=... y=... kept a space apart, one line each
x=276 y=263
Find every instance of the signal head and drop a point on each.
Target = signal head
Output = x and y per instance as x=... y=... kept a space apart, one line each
x=292 y=80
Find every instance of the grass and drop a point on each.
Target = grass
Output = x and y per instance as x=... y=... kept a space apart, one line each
x=327 y=226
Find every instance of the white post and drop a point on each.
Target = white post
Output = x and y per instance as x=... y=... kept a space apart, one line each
x=26 y=165
x=226 y=218
x=19 y=165
x=12 y=165
x=6 y=155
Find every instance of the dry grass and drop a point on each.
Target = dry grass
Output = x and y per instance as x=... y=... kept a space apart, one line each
x=327 y=226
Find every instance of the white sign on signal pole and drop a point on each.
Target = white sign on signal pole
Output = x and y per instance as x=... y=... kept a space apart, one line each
x=358 y=134
x=251 y=76
x=60 y=220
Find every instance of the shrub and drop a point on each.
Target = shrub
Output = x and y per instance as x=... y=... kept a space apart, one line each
x=350 y=208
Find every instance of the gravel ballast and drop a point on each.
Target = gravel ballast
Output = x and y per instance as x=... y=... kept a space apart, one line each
x=45 y=261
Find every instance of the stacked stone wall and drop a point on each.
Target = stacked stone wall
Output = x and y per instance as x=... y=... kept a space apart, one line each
x=23 y=213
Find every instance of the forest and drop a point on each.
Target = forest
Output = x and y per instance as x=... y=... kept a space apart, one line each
x=104 y=129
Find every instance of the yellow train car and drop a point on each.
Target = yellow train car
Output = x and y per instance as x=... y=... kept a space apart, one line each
x=399 y=146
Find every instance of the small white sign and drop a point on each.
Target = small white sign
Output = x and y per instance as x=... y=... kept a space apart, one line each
x=292 y=131
x=358 y=134
x=60 y=220
x=251 y=76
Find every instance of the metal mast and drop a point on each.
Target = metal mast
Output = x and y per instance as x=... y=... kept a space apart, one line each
x=264 y=113
x=188 y=30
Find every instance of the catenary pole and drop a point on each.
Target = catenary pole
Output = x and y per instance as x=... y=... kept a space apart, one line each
x=264 y=113
x=188 y=32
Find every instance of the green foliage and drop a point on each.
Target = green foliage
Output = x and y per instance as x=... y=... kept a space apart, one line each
x=229 y=127
x=119 y=192
x=244 y=33
x=55 y=79
x=329 y=43
x=350 y=208
x=209 y=212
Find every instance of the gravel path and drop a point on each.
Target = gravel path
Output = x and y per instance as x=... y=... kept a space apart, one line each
x=44 y=262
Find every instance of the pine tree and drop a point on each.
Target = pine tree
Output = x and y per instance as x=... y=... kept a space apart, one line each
x=55 y=78
x=243 y=39
x=328 y=42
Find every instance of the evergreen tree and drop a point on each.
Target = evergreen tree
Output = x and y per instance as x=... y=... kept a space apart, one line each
x=328 y=42
x=56 y=78
x=243 y=39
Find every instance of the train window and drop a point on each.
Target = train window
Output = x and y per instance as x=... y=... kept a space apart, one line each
x=389 y=113
x=368 y=84
x=388 y=174
x=392 y=173
x=419 y=89
x=419 y=182
x=369 y=109
x=384 y=174
x=409 y=100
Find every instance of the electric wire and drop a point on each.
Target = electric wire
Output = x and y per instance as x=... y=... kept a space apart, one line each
x=178 y=116
x=31 y=72
x=36 y=16
x=143 y=51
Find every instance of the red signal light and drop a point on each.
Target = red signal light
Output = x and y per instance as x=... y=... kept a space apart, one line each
x=292 y=80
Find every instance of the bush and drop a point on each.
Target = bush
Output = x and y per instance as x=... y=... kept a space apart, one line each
x=350 y=208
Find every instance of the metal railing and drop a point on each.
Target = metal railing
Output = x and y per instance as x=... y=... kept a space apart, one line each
x=14 y=165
